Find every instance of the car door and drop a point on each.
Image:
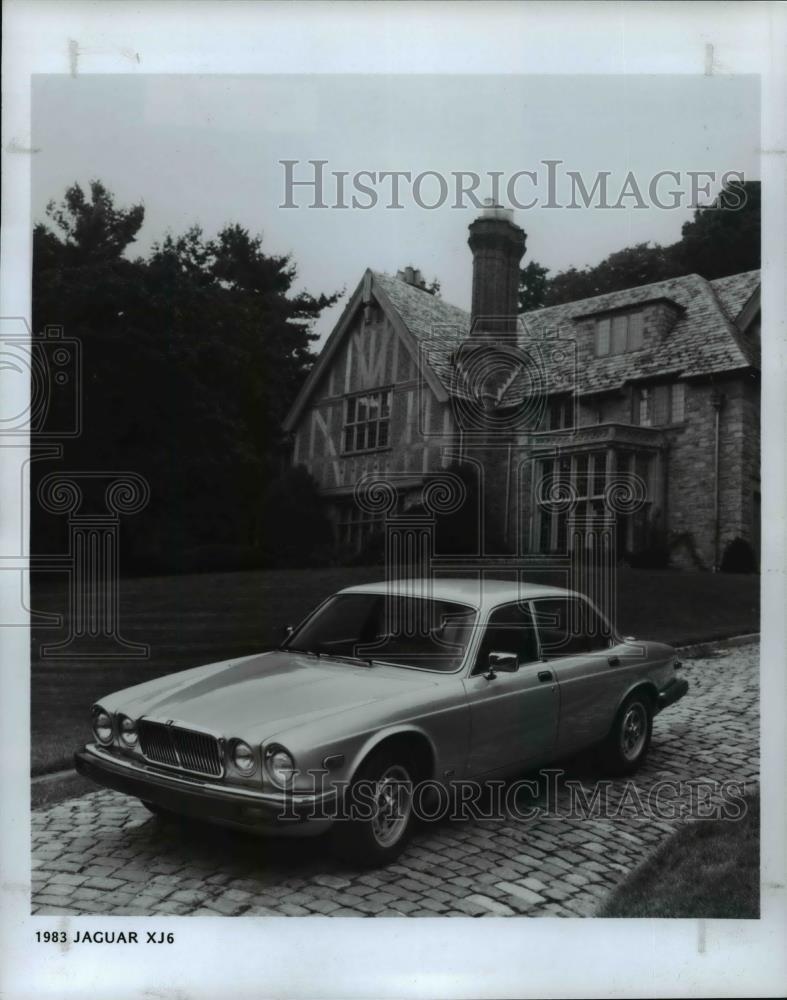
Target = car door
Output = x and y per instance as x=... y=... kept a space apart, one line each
x=513 y=716
x=577 y=643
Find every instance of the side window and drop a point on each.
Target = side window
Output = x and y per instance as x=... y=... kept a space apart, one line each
x=569 y=626
x=509 y=630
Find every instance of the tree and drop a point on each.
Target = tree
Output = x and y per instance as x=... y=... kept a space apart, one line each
x=722 y=239
x=532 y=286
x=191 y=356
x=94 y=231
x=296 y=524
x=628 y=268
x=725 y=237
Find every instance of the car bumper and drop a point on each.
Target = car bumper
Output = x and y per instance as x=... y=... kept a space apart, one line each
x=280 y=814
x=673 y=692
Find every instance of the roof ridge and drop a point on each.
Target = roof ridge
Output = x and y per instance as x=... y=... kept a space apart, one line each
x=736 y=274
x=617 y=291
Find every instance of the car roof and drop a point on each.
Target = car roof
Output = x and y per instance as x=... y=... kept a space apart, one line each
x=479 y=593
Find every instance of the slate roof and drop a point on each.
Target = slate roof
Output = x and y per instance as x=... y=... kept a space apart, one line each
x=424 y=314
x=735 y=291
x=703 y=340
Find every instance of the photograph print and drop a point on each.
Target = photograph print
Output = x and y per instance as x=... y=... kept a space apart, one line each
x=395 y=495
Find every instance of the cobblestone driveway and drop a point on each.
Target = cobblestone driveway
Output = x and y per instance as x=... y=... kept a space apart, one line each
x=104 y=854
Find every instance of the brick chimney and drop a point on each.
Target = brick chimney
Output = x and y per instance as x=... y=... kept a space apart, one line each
x=498 y=245
x=488 y=360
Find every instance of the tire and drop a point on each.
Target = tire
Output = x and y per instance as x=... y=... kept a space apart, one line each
x=629 y=739
x=388 y=794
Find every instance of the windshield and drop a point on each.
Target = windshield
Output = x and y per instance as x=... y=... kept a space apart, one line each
x=407 y=631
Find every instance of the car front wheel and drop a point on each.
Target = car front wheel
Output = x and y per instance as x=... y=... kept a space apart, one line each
x=629 y=739
x=380 y=812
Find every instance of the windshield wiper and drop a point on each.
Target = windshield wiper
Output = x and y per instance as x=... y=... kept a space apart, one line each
x=352 y=659
x=294 y=649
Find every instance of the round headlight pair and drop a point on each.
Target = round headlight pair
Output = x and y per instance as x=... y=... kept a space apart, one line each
x=102 y=725
x=243 y=757
x=280 y=765
x=128 y=731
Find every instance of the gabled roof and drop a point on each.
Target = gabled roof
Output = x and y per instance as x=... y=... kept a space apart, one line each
x=735 y=291
x=424 y=314
x=703 y=341
x=412 y=311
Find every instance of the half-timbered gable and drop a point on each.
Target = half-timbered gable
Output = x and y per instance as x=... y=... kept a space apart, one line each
x=371 y=405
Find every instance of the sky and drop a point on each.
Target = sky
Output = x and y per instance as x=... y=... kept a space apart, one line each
x=207 y=149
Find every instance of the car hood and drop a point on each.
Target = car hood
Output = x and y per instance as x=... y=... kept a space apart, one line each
x=258 y=696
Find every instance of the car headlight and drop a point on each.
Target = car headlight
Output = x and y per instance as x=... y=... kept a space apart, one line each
x=280 y=765
x=102 y=725
x=243 y=757
x=128 y=731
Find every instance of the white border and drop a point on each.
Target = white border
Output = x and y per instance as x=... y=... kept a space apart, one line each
x=394 y=958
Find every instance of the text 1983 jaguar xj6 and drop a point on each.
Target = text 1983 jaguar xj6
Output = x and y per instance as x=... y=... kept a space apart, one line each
x=384 y=686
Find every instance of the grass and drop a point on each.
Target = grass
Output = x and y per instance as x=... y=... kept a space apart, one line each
x=709 y=868
x=188 y=620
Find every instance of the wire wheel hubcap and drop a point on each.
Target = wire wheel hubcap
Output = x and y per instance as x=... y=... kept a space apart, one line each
x=633 y=731
x=393 y=800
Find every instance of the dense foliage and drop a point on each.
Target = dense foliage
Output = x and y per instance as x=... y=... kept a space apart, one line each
x=191 y=358
x=722 y=238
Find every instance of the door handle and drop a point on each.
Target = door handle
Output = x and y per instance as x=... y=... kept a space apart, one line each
x=614 y=661
x=545 y=675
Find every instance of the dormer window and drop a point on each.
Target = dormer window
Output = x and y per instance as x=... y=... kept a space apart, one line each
x=619 y=333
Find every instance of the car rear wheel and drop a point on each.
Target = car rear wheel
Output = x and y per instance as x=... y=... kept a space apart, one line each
x=629 y=739
x=382 y=795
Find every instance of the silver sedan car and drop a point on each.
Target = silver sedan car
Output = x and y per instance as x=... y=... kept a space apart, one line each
x=382 y=690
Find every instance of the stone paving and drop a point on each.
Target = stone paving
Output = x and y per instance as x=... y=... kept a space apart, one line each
x=104 y=854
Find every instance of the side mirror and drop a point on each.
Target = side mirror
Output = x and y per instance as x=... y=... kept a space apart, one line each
x=287 y=631
x=504 y=663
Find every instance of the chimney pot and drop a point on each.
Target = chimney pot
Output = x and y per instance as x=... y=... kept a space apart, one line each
x=492 y=210
x=412 y=276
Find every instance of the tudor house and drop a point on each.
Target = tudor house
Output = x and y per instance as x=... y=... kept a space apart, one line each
x=656 y=385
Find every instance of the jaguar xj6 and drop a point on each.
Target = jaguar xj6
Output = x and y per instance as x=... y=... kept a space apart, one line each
x=384 y=686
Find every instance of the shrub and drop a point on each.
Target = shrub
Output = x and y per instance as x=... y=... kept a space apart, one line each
x=296 y=528
x=372 y=552
x=739 y=558
x=655 y=555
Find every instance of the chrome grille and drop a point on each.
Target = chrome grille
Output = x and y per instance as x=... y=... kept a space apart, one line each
x=183 y=748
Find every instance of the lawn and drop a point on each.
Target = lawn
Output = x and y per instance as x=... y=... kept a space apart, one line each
x=709 y=868
x=188 y=620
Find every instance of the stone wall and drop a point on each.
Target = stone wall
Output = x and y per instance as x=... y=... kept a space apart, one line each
x=691 y=471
